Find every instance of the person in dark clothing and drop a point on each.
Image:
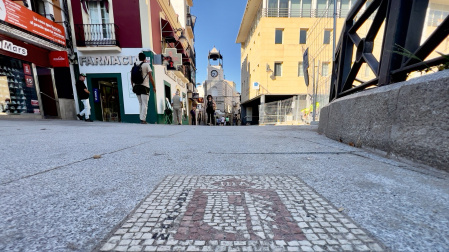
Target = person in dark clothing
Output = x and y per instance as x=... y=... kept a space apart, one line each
x=83 y=95
x=210 y=110
x=193 y=115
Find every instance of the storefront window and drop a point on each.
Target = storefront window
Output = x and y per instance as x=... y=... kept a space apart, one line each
x=17 y=90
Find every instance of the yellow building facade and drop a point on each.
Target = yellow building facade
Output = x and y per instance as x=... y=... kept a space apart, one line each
x=274 y=35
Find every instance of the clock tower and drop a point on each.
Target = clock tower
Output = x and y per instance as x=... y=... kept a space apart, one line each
x=227 y=99
x=215 y=66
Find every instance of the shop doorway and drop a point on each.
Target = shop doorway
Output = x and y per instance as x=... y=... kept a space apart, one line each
x=168 y=92
x=106 y=99
x=168 y=110
x=47 y=92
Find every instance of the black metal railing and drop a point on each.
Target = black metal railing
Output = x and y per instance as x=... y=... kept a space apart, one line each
x=97 y=35
x=192 y=56
x=185 y=71
x=401 y=53
x=190 y=21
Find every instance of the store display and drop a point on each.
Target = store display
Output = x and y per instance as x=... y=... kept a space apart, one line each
x=16 y=96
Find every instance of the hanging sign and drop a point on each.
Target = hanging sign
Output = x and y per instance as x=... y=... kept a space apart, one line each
x=26 y=69
x=59 y=59
x=26 y=19
x=29 y=81
x=174 y=55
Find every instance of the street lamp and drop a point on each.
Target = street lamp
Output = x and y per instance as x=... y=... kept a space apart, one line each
x=182 y=38
x=268 y=71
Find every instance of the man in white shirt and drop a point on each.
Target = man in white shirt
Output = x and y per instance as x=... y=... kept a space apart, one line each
x=177 y=108
x=145 y=96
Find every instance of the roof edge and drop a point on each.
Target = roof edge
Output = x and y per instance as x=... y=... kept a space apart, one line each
x=252 y=6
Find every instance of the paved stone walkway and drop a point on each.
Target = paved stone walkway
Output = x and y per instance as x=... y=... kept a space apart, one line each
x=238 y=213
x=252 y=188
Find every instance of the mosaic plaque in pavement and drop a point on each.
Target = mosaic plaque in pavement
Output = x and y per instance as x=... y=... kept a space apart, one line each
x=237 y=213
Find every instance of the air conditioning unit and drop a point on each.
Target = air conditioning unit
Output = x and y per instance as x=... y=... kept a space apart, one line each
x=190 y=87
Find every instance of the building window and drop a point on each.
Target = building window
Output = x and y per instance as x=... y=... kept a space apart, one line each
x=38 y=7
x=306 y=8
x=278 y=36
x=324 y=8
x=325 y=69
x=327 y=37
x=295 y=10
x=277 y=69
x=345 y=6
x=291 y=8
x=98 y=13
x=272 y=8
x=303 y=36
x=283 y=8
x=300 y=69
x=321 y=8
x=99 y=20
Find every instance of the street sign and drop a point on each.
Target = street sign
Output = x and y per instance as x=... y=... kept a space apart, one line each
x=256 y=85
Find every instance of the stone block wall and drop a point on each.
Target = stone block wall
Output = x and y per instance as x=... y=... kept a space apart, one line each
x=67 y=109
x=407 y=119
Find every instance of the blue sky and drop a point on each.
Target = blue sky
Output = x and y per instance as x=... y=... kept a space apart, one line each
x=218 y=23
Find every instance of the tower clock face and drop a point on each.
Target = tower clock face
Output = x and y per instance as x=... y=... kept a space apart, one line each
x=214 y=73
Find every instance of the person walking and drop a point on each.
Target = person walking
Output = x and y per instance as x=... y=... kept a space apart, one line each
x=193 y=115
x=142 y=90
x=210 y=110
x=83 y=94
x=177 y=107
x=199 y=117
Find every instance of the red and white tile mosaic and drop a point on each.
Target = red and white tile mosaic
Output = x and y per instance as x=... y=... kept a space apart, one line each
x=238 y=213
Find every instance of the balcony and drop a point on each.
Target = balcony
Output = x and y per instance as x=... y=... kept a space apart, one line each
x=189 y=58
x=180 y=72
x=97 y=35
x=190 y=25
x=313 y=13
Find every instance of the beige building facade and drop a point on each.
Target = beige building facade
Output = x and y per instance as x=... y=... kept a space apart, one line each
x=274 y=35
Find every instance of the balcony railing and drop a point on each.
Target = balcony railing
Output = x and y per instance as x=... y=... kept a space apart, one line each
x=97 y=35
x=288 y=12
x=191 y=54
x=191 y=21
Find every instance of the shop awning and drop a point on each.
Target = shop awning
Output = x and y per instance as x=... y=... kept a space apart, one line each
x=180 y=47
x=167 y=29
x=170 y=35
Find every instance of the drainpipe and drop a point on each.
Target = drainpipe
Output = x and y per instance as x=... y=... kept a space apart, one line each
x=335 y=30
